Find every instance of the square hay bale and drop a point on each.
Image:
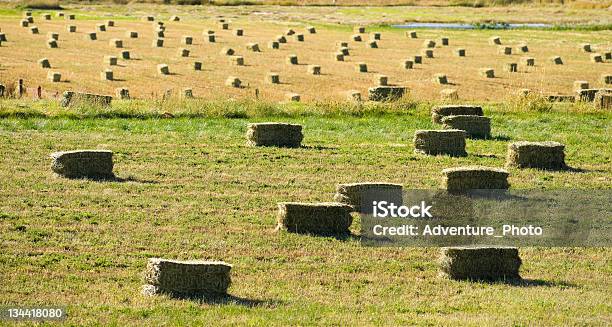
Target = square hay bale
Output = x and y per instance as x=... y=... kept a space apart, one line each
x=299 y=37
x=463 y=179
x=148 y=18
x=429 y=44
x=281 y=39
x=580 y=85
x=342 y=44
x=237 y=60
x=52 y=44
x=187 y=93
x=122 y=93
x=30 y=19
x=311 y=29
x=345 y=51
x=83 y=163
x=361 y=67
x=427 y=53
x=375 y=36
x=289 y=32
x=353 y=95
x=227 y=51
x=561 y=98
x=449 y=95
x=70 y=97
x=338 y=56
x=511 y=67
x=131 y=34
x=106 y=75
x=233 y=82
x=381 y=80
x=475 y=126
x=292 y=59
x=486 y=72
x=159 y=34
x=185 y=279
x=110 y=23
x=44 y=63
x=444 y=41
x=438 y=112
x=71 y=16
x=495 y=40
x=101 y=28
x=182 y=52
x=92 y=36
x=197 y=65
x=253 y=47
x=53 y=35
x=175 y=18
x=373 y=45
x=34 y=30
x=596 y=57
x=440 y=142
x=110 y=60
x=326 y=218
x=239 y=32
x=60 y=14
x=586 y=47
x=603 y=100
x=212 y=38
x=187 y=40
x=208 y=32
x=125 y=54
x=407 y=64
x=274 y=134
x=158 y=43
x=71 y=28
x=440 y=79
x=608 y=55
x=460 y=52
x=417 y=59
x=588 y=95
x=54 y=77
x=292 y=97
x=356 y=38
x=314 y=69
x=27 y=14
x=528 y=61
x=556 y=60
x=24 y=23
x=359 y=29
x=3 y=37
x=273 y=45
x=480 y=263
x=353 y=194
x=224 y=26
x=606 y=78
x=542 y=155
x=273 y=78
x=411 y=34
x=386 y=93
x=116 y=43
x=504 y=50
x=163 y=69
x=523 y=48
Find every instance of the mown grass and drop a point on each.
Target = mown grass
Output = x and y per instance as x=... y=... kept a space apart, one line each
x=192 y=189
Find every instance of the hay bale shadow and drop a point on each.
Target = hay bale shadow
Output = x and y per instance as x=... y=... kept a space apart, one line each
x=528 y=282
x=115 y=179
x=228 y=299
x=317 y=147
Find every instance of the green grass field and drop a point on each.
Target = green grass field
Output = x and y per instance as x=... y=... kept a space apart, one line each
x=189 y=188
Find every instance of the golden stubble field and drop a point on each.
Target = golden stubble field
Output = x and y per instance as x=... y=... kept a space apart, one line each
x=80 y=61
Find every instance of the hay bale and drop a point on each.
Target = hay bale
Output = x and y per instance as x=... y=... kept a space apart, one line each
x=606 y=78
x=585 y=47
x=122 y=93
x=208 y=32
x=92 y=36
x=375 y=36
x=163 y=69
x=281 y=39
x=411 y=34
x=608 y=55
x=342 y=44
x=580 y=85
x=226 y=51
x=345 y=51
x=386 y=93
x=460 y=52
x=184 y=279
x=427 y=53
x=197 y=65
x=273 y=45
x=462 y=179
x=52 y=44
x=314 y=69
x=110 y=23
x=373 y=45
x=561 y=98
x=359 y=29
x=182 y=52
x=125 y=54
x=70 y=97
x=449 y=95
x=588 y=95
x=54 y=76
x=556 y=60
x=292 y=59
x=237 y=60
x=495 y=40
x=131 y=34
x=187 y=40
x=30 y=19
x=603 y=100
x=101 y=27
x=326 y=218
x=274 y=134
x=361 y=67
x=224 y=26
x=158 y=43
x=353 y=95
x=159 y=34
x=289 y=32
x=475 y=126
x=83 y=163
x=71 y=16
x=382 y=80
x=356 y=38
x=511 y=67
x=272 y=78
x=596 y=57
x=440 y=79
x=480 y=263
x=71 y=28
x=440 y=142
x=24 y=23
x=292 y=97
x=34 y=30
x=175 y=18
x=106 y=75
x=444 y=41
x=3 y=37
x=338 y=56
x=354 y=194
x=299 y=37
x=486 y=72
x=504 y=50
x=44 y=63
x=212 y=38
x=233 y=82
x=239 y=32
x=110 y=60
x=60 y=14
x=148 y=18
x=407 y=64
x=116 y=43
x=543 y=155
x=311 y=30
x=528 y=61
x=253 y=47
x=417 y=59
x=523 y=48
x=429 y=44
x=27 y=14
x=438 y=112
x=187 y=93
x=53 y=36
